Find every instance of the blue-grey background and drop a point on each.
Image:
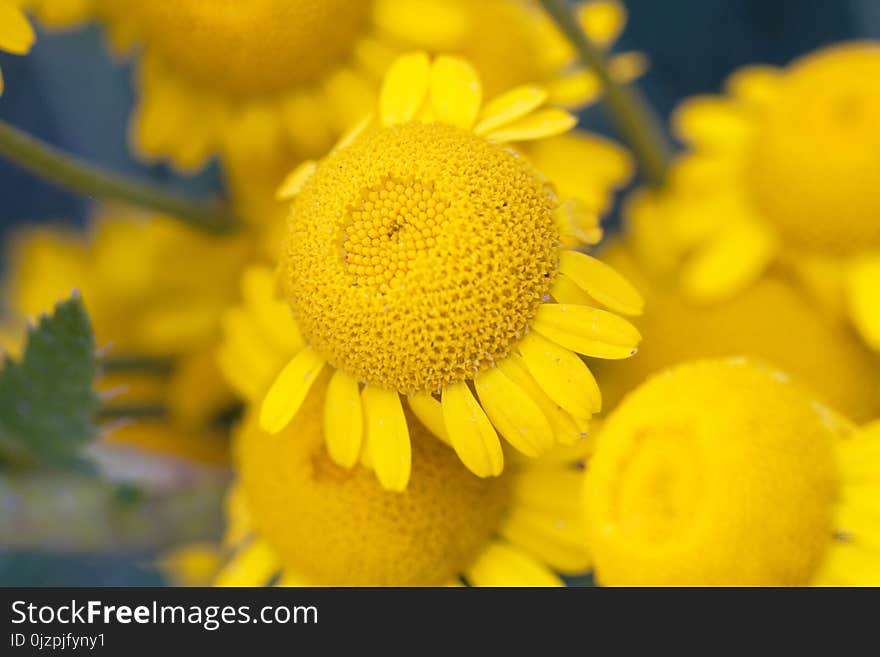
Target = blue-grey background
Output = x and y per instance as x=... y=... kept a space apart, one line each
x=70 y=93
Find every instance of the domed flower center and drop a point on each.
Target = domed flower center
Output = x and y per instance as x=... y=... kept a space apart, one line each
x=340 y=527
x=253 y=47
x=815 y=166
x=393 y=225
x=417 y=256
x=716 y=473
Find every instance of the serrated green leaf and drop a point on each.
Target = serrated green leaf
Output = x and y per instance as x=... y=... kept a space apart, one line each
x=47 y=399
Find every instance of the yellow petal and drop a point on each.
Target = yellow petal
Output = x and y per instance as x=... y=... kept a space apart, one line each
x=711 y=122
x=439 y=25
x=567 y=429
x=290 y=579
x=576 y=89
x=239 y=524
x=554 y=491
x=557 y=540
x=510 y=106
x=429 y=412
x=756 y=85
x=16 y=34
x=601 y=282
x=388 y=437
x=289 y=390
x=863 y=297
x=849 y=565
x=404 y=88
x=627 y=66
x=501 y=564
x=354 y=132
x=456 y=92
x=295 y=180
x=562 y=375
x=1 y=82
x=538 y=125
x=470 y=432
x=271 y=315
x=729 y=262
x=254 y=565
x=602 y=21
x=564 y=290
x=343 y=419
x=516 y=416
x=587 y=331
x=578 y=221
x=245 y=359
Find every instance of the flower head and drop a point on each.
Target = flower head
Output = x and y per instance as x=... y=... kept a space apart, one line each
x=724 y=472
x=148 y=305
x=759 y=321
x=422 y=257
x=298 y=516
x=781 y=170
x=265 y=83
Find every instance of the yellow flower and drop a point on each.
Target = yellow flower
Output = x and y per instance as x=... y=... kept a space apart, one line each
x=154 y=288
x=266 y=83
x=16 y=34
x=773 y=320
x=421 y=259
x=783 y=168
x=298 y=519
x=725 y=473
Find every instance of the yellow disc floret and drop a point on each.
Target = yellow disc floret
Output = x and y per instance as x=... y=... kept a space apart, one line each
x=254 y=47
x=815 y=167
x=714 y=473
x=417 y=255
x=336 y=526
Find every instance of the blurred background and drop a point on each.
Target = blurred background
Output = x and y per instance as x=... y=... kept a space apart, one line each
x=69 y=93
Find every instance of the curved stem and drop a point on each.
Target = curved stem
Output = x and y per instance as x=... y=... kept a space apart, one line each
x=72 y=173
x=636 y=120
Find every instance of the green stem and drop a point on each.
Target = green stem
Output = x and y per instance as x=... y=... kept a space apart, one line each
x=67 y=171
x=133 y=412
x=634 y=117
x=139 y=364
x=71 y=513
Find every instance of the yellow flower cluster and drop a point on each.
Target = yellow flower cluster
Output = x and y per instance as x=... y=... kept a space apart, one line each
x=408 y=330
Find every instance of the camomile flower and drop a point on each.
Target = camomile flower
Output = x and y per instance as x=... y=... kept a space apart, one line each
x=427 y=258
x=783 y=168
x=16 y=34
x=773 y=320
x=296 y=518
x=726 y=473
x=265 y=83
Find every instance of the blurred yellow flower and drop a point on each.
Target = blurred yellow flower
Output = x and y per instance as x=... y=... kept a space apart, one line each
x=16 y=34
x=773 y=320
x=783 y=169
x=421 y=258
x=725 y=473
x=266 y=83
x=155 y=291
x=296 y=516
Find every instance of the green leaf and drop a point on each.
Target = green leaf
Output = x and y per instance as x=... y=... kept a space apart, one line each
x=47 y=399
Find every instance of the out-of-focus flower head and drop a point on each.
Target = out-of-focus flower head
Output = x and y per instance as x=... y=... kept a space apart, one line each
x=274 y=81
x=783 y=169
x=296 y=518
x=155 y=290
x=427 y=257
x=773 y=319
x=16 y=33
x=726 y=473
